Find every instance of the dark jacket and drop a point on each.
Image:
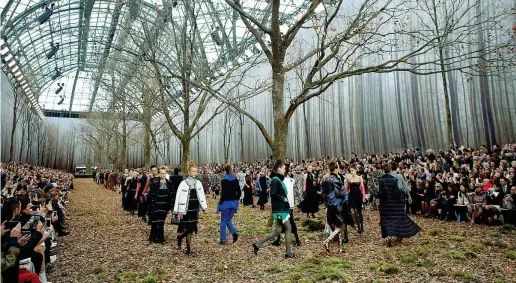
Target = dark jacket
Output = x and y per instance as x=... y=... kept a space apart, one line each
x=158 y=200
x=491 y=199
x=230 y=189
x=25 y=251
x=333 y=190
x=173 y=184
x=279 y=201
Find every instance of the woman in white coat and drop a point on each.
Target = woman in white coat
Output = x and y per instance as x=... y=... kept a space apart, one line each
x=190 y=199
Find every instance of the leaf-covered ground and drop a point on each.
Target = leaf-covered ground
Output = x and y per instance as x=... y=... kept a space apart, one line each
x=108 y=245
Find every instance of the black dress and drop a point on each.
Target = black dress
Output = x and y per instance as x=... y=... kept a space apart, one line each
x=263 y=197
x=248 y=192
x=394 y=220
x=188 y=224
x=311 y=202
x=142 y=203
x=131 y=203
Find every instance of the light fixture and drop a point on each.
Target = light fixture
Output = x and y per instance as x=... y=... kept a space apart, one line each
x=46 y=15
x=15 y=69
x=53 y=50
x=11 y=64
x=57 y=74
x=4 y=50
x=61 y=101
x=17 y=73
x=60 y=88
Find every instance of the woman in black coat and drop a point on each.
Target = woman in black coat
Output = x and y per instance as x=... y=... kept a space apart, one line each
x=310 y=204
x=131 y=202
x=248 y=190
x=262 y=185
x=158 y=200
x=394 y=221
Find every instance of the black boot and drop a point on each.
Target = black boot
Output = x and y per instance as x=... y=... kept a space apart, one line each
x=255 y=249
x=179 y=242
x=235 y=237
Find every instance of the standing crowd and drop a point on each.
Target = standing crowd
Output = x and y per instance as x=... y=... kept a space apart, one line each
x=34 y=205
x=459 y=184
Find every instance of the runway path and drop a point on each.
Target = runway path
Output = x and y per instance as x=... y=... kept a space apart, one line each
x=107 y=244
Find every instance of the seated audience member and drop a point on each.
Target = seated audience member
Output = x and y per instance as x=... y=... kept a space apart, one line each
x=509 y=207
x=492 y=205
x=477 y=201
x=463 y=205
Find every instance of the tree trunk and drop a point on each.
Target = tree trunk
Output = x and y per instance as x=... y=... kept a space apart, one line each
x=280 y=138
x=416 y=108
x=13 y=131
x=381 y=105
x=485 y=102
x=124 y=143
x=241 y=137
x=400 y=110
x=147 y=148
x=22 y=143
x=117 y=154
x=307 y=138
x=185 y=156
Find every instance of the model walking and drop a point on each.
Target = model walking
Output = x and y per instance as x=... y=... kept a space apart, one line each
x=280 y=209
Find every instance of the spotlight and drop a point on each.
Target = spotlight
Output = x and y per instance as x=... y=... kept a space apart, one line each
x=60 y=88
x=53 y=50
x=57 y=74
x=174 y=4
x=61 y=101
x=46 y=15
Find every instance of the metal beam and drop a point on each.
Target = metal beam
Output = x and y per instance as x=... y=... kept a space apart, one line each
x=10 y=26
x=84 y=31
x=73 y=90
x=105 y=54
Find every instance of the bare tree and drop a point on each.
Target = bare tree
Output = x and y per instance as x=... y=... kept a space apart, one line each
x=227 y=126
x=344 y=38
x=173 y=52
x=17 y=96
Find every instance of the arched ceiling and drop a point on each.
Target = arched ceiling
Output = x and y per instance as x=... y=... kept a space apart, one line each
x=91 y=35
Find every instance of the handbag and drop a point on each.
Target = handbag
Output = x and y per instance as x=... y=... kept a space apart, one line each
x=175 y=221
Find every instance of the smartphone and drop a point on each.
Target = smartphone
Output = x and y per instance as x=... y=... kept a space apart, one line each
x=25 y=232
x=35 y=207
x=11 y=224
x=54 y=213
x=36 y=221
x=49 y=221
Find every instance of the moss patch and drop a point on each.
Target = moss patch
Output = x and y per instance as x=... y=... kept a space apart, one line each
x=455 y=254
x=385 y=267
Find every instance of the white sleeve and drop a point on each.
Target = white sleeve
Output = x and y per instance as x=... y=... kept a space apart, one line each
x=178 y=193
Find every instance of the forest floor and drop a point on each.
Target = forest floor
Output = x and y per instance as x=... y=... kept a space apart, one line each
x=107 y=244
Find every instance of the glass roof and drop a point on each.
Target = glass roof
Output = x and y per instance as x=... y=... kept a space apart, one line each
x=99 y=42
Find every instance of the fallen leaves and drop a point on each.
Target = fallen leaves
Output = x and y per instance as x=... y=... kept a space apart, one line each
x=107 y=244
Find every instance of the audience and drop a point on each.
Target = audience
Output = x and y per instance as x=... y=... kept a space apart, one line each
x=33 y=203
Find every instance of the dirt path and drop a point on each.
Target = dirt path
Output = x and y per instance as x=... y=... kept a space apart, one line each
x=108 y=245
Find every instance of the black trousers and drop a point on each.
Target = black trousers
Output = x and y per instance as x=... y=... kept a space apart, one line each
x=157 y=233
